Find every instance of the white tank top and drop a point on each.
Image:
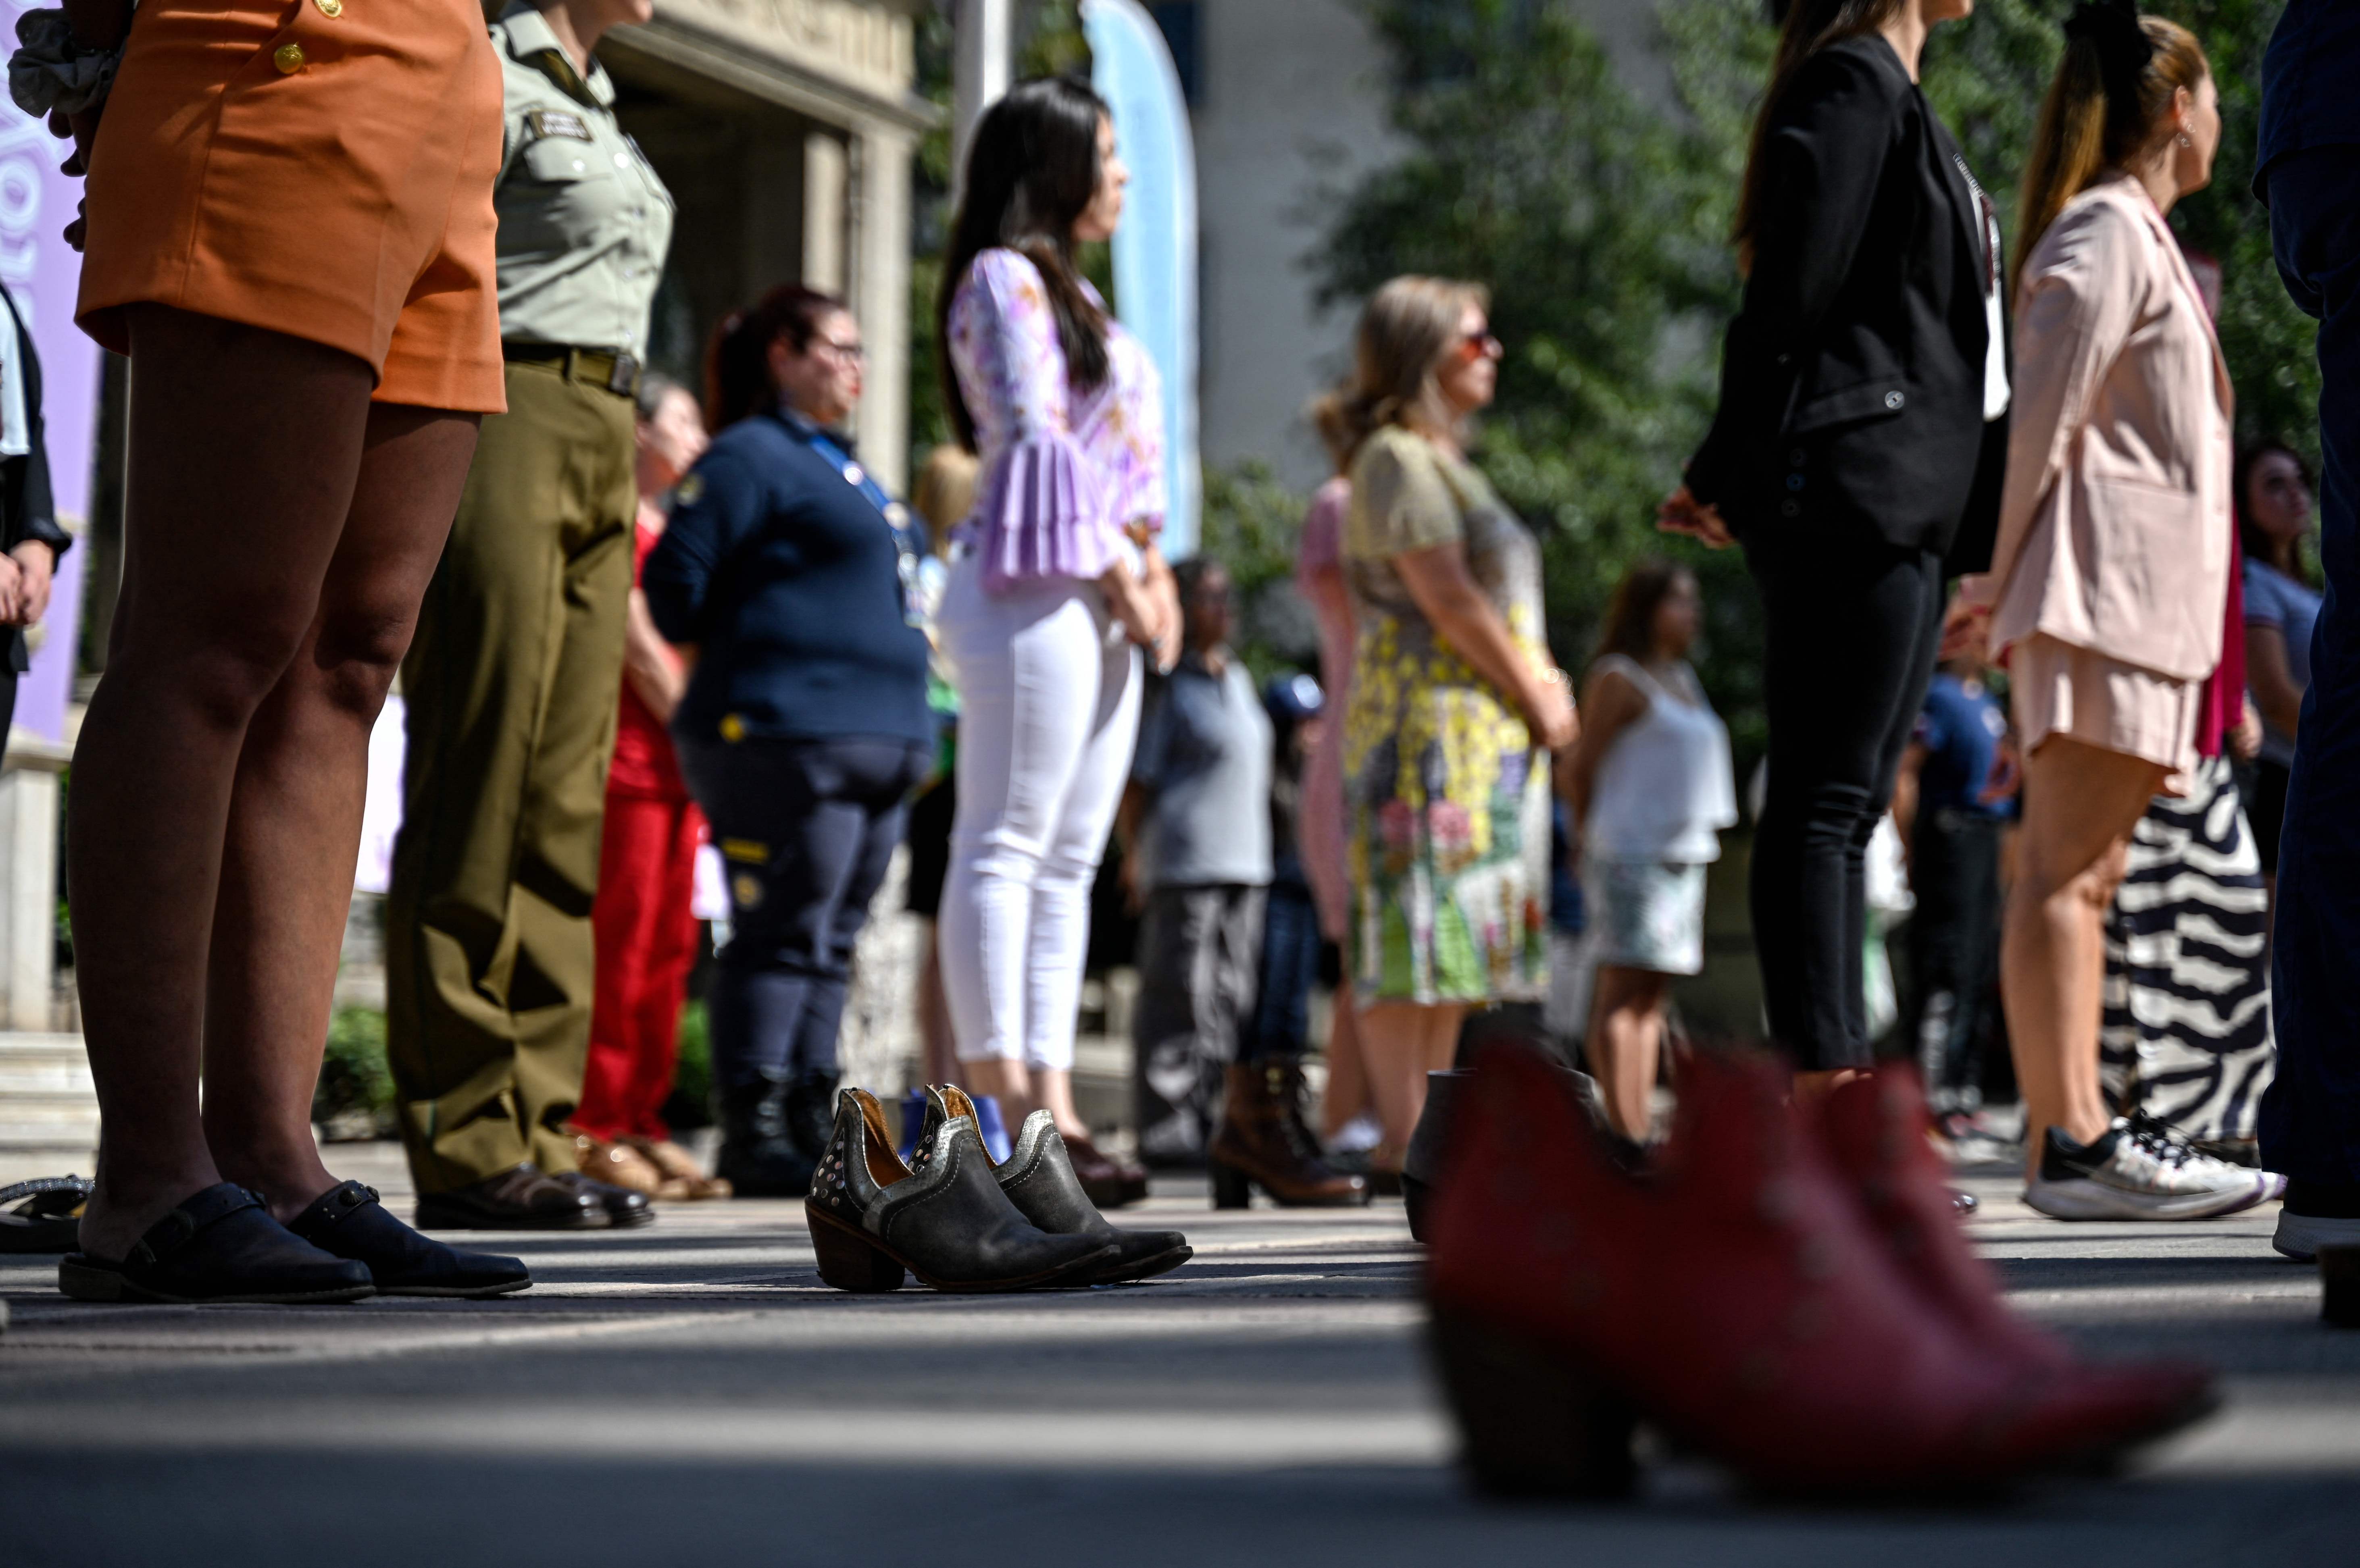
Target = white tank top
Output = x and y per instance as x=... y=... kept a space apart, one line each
x=1663 y=792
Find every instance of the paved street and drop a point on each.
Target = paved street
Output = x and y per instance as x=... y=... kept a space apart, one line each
x=690 y=1392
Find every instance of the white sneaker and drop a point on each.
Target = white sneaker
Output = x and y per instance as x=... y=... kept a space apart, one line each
x=2140 y=1170
x=1358 y=1135
x=2299 y=1236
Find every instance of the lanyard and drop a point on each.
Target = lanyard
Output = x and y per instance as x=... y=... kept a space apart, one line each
x=896 y=515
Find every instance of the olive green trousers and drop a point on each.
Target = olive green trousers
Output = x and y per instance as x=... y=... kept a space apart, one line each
x=511 y=686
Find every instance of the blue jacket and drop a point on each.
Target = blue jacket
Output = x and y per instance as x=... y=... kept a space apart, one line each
x=783 y=563
x=2310 y=83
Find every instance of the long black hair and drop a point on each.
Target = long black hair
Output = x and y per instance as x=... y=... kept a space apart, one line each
x=1805 y=28
x=1031 y=172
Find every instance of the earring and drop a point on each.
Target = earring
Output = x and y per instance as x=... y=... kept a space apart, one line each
x=2185 y=141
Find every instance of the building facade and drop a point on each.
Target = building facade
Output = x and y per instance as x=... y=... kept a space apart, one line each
x=1289 y=104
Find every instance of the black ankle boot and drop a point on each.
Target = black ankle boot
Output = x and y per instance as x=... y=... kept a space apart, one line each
x=809 y=1113
x=948 y=1223
x=759 y=1158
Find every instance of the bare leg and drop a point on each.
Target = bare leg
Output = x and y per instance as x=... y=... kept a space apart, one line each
x=1006 y=1080
x=1625 y=1044
x=1348 y=1071
x=246 y=448
x=295 y=818
x=1402 y=1042
x=1053 y=1092
x=934 y=1012
x=2081 y=803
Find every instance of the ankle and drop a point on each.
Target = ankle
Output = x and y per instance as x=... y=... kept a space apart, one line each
x=125 y=1202
x=289 y=1180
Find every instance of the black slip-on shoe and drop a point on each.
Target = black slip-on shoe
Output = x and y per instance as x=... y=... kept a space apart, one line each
x=526 y=1198
x=219 y=1247
x=1039 y=1178
x=948 y=1222
x=624 y=1209
x=348 y=1221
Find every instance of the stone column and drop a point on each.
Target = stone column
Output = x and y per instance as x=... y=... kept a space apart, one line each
x=826 y=179
x=28 y=881
x=881 y=294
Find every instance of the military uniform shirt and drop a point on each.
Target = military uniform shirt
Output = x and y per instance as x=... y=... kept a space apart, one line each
x=584 y=222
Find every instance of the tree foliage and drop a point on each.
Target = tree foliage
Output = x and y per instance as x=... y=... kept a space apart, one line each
x=1596 y=223
x=1600 y=223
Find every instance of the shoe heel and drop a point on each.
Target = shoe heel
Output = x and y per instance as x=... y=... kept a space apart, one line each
x=1233 y=1189
x=84 y=1283
x=1534 y=1425
x=850 y=1263
x=1416 y=1198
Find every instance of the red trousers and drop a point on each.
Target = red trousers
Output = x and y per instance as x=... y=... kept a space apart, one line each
x=647 y=946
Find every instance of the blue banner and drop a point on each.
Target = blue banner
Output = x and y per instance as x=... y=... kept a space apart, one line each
x=1155 y=248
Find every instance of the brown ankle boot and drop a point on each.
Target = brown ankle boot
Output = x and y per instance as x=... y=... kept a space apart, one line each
x=1264 y=1142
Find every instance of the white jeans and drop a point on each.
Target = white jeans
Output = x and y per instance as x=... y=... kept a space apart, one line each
x=1048 y=710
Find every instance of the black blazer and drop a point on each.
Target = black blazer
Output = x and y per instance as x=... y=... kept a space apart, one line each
x=26 y=510
x=1853 y=380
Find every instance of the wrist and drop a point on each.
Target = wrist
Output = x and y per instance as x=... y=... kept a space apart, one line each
x=98 y=24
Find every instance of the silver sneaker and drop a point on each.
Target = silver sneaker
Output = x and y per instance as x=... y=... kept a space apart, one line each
x=2140 y=1170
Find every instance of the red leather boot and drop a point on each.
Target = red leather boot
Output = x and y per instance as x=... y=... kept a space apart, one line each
x=1732 y=1296
x=1875 y=1129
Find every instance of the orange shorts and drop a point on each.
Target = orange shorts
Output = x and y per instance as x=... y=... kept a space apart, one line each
x=317 y=168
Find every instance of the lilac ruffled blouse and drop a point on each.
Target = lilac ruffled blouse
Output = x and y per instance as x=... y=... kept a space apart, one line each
x=1063 y=474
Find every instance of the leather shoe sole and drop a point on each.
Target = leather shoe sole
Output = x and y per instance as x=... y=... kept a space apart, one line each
x=88 y=1278
x=832 y=1237
x=1147 y=1267
x=432 y=1216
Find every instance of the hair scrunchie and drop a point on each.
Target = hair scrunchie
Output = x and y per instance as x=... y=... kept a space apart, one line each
x=2124 y=52
x=52 y=72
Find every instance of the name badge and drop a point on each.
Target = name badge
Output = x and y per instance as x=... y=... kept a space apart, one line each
x=557 y=122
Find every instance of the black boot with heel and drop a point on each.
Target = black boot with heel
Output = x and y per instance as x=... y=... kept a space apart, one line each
x=948 y=1222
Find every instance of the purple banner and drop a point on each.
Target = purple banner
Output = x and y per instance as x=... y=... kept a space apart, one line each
x=43 y=273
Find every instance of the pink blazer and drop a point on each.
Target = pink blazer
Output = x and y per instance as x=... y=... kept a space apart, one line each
x=2114 y=530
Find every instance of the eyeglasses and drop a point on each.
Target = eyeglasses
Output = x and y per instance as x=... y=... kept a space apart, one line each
x=1481 y=345
x=841 y=350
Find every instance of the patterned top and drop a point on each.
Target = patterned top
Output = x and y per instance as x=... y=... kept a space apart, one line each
x=1063 y=475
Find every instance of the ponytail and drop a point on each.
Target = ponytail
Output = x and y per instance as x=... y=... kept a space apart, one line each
x=738 y=365
x=2110 y=97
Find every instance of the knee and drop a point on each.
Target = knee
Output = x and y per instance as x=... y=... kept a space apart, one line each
x=223 y=659
x=358 y=653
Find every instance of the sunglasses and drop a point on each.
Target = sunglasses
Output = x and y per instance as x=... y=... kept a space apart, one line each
x=1481 y=345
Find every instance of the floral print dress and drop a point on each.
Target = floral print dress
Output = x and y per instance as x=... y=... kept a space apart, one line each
x=1447 y=802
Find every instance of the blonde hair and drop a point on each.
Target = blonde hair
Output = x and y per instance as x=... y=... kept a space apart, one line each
x=944 y=493
x=2083 y=134
x=1406 y=330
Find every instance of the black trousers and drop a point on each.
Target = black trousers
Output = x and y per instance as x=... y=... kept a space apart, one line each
x=1953 y=951
x=1852 y=626
x=807 y=830
x=2310 y=1114
x=8 y=700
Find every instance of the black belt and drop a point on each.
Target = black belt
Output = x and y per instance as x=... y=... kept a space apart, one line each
x=611 y=368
